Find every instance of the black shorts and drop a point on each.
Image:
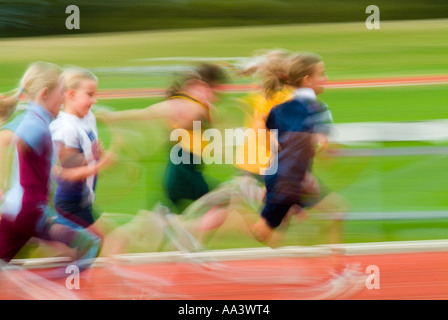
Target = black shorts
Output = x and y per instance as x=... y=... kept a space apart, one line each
x=274 y=212
x=74 y=210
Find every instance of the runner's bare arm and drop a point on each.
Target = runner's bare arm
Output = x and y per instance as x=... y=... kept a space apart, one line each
x=72 y=165
x=158 y=110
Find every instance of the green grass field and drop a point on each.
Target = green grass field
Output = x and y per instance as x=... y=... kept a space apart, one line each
x=350 y=51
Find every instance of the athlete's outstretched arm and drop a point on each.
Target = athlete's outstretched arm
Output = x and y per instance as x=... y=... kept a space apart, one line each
x=158 y=110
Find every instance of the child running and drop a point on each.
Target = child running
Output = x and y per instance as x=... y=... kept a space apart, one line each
x=302 y=124
x=25 y=209
x=269 y=69
x=188 y=101
x=80 y=154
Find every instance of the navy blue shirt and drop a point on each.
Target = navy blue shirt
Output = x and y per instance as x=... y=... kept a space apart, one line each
x=296 y=120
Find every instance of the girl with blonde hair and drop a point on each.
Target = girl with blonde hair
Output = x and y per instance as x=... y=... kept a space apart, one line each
x=303 y=124
x=78 y=148
x=25 y=209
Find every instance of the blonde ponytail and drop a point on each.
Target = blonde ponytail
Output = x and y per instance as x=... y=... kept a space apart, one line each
x=280 y=68
x=8 y=104
x=38 y=76
x=272 y=68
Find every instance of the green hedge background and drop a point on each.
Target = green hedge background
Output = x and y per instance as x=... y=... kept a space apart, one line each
x=45 y=17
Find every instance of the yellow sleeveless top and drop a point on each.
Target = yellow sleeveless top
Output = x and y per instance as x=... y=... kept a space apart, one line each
x=257 y=163
x=194 y=135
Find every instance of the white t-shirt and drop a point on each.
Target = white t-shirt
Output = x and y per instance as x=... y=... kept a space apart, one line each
x=81 y=134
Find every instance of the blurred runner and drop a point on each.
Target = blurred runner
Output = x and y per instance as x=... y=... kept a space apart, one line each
x=79 y=150
x=25 y=208
x=188 y=101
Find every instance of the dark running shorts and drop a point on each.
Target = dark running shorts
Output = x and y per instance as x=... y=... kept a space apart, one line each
x=274 y=212
x=73 y=210
x=184 y=181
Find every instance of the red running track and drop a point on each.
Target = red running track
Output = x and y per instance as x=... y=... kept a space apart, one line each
x=403 y=276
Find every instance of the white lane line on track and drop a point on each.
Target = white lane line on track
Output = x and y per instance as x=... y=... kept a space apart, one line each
x=352 y=249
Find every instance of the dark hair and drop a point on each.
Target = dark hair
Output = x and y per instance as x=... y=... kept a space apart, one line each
x=211 y=74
